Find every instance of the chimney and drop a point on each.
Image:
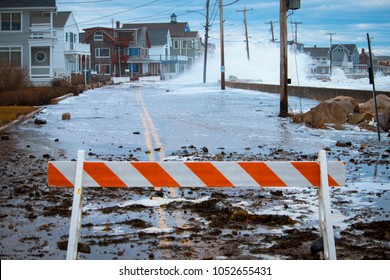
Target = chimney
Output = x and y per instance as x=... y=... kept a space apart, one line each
x=364 y=57
x=118 y=24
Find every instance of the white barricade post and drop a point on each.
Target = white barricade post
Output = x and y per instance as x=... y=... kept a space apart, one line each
x=255 y=174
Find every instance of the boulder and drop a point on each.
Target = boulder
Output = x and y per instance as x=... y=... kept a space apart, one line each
x=335 y=112
x=66 y=116
x=349 y=99
x=384 y=120
x=40 y=121
x=383 y=103
x=355 y=119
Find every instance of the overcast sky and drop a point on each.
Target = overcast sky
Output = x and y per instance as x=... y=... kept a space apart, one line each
x=350 y=20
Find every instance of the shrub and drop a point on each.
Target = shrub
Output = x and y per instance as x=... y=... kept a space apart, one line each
x=13 y=78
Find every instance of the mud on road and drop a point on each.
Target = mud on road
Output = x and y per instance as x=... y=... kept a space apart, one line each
x=191 y=223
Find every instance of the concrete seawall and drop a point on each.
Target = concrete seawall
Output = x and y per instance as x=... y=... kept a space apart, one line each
x=308 y=92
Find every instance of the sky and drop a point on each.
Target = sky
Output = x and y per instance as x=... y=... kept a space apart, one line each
x=349 y=20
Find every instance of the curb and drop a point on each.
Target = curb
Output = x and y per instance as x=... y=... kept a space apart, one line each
x=21 y=119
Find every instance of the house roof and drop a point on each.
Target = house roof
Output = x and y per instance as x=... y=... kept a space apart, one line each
x=191 y=34
x=108 y=32
x=158 y=37
x=60 y=19
x=349 y=47
x=317 y=52
x=27 y=3
x=175 y=29
x=383 y=57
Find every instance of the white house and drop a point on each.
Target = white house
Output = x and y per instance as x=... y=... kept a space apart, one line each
x=69 y=56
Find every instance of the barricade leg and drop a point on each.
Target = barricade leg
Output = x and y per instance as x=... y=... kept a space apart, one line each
x=326 y=227
x=76 y=217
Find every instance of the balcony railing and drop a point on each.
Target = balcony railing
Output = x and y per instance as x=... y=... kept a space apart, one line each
x=123 y=58
x=121 y=42
x=41 y=31
x=170 y=58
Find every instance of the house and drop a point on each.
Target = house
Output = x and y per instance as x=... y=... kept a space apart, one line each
x=379 y=64
x=184 y=46
x=33 y=36
x=320 y=64
x=101 y=41
x=69 y=56
x=121 y=52
x=345 y=56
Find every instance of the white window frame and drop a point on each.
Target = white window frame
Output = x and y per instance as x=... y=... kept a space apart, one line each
x=97 y=38
x=11 y=13
x=97 y=68
x=10 y=50
x=98 y=53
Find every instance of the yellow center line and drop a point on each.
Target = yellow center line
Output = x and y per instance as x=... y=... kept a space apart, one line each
x=149 y=129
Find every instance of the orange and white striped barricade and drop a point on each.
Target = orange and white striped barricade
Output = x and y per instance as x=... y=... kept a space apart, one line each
x=255 y=174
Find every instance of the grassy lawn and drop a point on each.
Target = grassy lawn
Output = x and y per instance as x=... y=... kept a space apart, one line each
x=10 y=113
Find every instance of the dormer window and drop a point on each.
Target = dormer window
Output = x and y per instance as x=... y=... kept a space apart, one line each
x=98 y=36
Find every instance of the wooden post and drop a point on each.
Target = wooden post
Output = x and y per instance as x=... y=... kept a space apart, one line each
x=222 y=45
x=206 y=41
x=283 y=112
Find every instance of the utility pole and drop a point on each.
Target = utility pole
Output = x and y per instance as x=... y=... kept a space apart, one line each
x=283 y=112
x=296 y=31
x=330 y=50
x=222 y=45
x=272 y=29
x=206 y=41
x=246 y=30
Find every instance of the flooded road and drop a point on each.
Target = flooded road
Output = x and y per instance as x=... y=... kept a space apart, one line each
x=188 y=121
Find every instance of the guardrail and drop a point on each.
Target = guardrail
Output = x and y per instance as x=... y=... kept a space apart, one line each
x=255 y=174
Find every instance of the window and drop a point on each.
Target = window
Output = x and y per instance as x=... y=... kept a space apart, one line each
x=176 y=44
x=102 y=52
x=98 y=36
x=102 y=68
x=11 y=56
x=133 y=52
x=187 y=44
x=11 y=21
x=40 y=56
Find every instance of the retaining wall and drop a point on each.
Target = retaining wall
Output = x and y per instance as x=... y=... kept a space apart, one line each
x=308 y=92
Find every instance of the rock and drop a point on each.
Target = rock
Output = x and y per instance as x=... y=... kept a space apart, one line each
x=205 y=149
x=40 y=121
x=349 y=99
x=82 y=248
x=318 y=245
x=383 y=103
x=367 y=126
x=335 y=112
x=66 y=116
x=343 y=144
x=384 y=120
x=355 y=119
